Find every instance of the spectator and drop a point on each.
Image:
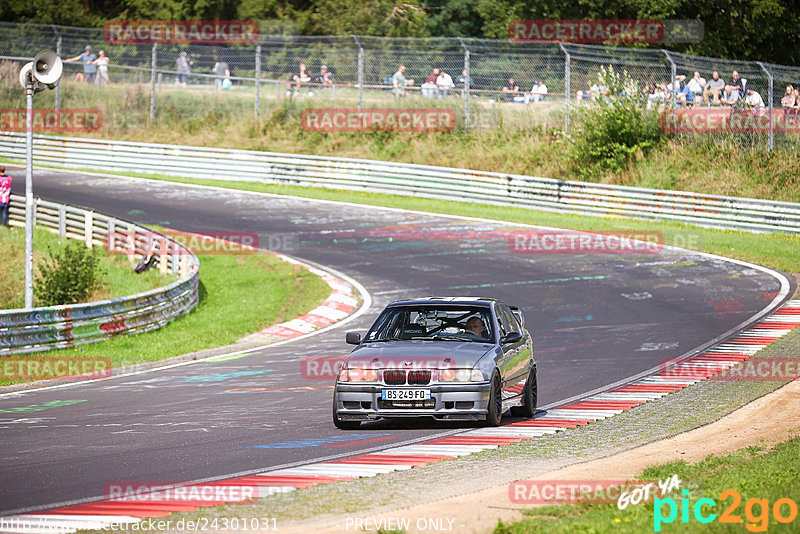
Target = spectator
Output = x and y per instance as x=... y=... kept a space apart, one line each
x=5 y=195
x=89 y=68
x=303 y=76
x=683 y=95
x=102 y=68
x=585 y=95
x=714 y=89
x=737 y=83
x=429 y=88
x=789 y=102
x=697 y=85
x=462 y=80
x=324 y=78
x=444 y=82
x=753 y=99
x=598 y=88
x=654 y=95
x=730 y=96
x=510 y=90
x=399 y=82
x=788 y=97
x=538 y=91
x=183 y=68
x=221 y=73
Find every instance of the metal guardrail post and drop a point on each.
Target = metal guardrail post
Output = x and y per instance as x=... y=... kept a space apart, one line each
x=153 y=83
x=62 y=221
x=771 y=139
x=88 y=224
x=567 y=85
x=130 y=242
x=258 y=80
x=360 y=73
x=466 y=83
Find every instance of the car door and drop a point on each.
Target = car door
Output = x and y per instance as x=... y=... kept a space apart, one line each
x=514 y=363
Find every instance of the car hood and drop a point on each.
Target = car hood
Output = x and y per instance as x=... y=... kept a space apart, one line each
x=421 y=354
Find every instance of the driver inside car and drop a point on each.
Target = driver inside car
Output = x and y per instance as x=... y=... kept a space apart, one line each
x=475 y=326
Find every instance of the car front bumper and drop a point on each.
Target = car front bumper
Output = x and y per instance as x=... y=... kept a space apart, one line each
x=464 y=401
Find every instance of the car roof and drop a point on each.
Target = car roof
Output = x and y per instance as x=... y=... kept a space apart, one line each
x=434 y=301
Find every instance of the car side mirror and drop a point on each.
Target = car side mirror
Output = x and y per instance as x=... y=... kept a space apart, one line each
x=353 y=338
x=512 y=337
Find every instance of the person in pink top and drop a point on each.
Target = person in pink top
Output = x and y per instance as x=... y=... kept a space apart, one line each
x=5 y=194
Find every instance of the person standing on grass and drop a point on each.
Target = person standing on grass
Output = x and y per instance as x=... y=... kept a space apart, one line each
x=5 y=194
x=102 y=68
x=183 y=68
x=89 y=68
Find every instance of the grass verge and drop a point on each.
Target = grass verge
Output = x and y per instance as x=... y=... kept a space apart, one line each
x=118 y=278
x=759 y=475
x=238 y=295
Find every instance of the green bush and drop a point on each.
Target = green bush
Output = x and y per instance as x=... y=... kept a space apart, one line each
x=68 y=275
x=614 y=128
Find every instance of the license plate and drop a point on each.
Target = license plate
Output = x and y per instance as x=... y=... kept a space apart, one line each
x=406 y=394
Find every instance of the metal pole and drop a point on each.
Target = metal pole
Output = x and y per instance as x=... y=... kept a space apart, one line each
x=771 y=138
x=153 y=84
x=258 y=79
x=360 y=73
x=466 y=83
x=567 y=85
x=466 y=90
x=29 y=196
x=58 y=87
x=673 y=73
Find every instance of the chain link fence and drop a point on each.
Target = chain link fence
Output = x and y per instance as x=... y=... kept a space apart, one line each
x=488 y=83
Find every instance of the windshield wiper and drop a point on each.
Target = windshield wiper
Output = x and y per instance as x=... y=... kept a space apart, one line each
x=382 y=339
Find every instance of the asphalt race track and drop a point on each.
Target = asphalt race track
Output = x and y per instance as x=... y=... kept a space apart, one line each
x=597 y=319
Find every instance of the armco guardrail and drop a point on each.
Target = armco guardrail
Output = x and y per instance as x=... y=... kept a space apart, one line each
x=463 y=185
x=24 y=331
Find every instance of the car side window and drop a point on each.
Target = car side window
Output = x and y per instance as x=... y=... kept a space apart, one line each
x=512 y=320
x=503 y=320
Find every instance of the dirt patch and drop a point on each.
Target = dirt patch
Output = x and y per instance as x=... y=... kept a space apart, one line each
x=770 y=419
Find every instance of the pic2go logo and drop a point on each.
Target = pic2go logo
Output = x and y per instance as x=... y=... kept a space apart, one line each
x=756 y=511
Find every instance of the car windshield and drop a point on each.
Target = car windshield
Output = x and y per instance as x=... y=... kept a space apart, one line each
x=439 y=323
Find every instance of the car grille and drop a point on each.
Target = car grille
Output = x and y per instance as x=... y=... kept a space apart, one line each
x=397 y=377
x=419 y=378
x=394 y=377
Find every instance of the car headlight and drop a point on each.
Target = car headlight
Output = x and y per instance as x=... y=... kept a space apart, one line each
x=460 y=375
x=358 y=374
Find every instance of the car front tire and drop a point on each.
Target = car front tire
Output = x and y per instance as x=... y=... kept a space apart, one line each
x=494 y=413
